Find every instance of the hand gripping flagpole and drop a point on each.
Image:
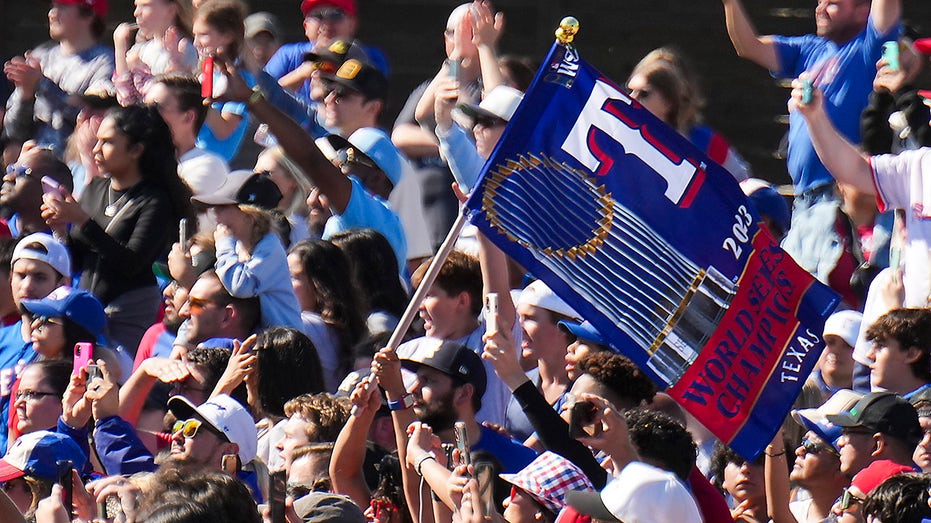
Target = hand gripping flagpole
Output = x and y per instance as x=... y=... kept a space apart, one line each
x=568 y=28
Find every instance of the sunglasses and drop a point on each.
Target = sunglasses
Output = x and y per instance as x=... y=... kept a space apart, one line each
x=813 y=447
x=41 y=321
x=191 y=427
x=349 y=156
x=22 y=172
x=488 y=121
x=848 y=500
x=327 y=15
x=199 y=304
x=341 y=93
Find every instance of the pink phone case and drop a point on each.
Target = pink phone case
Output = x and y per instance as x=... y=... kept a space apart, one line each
x=83 y=354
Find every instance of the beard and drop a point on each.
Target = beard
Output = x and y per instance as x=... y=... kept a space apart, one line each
x=439 y=413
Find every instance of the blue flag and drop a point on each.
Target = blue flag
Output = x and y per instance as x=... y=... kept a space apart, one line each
x=657 y=247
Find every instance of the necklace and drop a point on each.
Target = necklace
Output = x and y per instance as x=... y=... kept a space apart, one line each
x=113 y=206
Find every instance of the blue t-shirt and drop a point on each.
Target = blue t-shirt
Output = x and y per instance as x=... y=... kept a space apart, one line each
x=367 y=211
x=512 y=455
x=845 y=75
x=226 y=148
x=15 y=354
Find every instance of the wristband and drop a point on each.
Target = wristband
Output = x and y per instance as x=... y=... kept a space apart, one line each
x=405 y=402
x=423 y=457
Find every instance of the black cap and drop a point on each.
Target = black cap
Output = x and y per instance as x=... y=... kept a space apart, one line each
x=448 y=357
x=244 y=187
x=883 y=412
x=360 y=76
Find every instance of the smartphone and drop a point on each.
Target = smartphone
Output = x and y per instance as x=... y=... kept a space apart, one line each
x=276 y=493
x=490 y=311
x=891 y=55
x=83 y=356
x=65 y=479
x=206 y=82
x=453 y=66
x=51 y=186
x=93 y=372
x=182 y=233
x=462 y=443
x=808 y=91
x=228 y=464
x=582 y=420
x=484 y=474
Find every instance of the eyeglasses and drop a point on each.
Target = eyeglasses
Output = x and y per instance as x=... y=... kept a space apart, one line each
x=327 y=15
x=488 y=121
x=813 y=447
x=29 y=395
x=191 y=427
x=848 y=500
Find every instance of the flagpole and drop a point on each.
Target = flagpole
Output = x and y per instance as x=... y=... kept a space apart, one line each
x=568 y=27
x=428 y=278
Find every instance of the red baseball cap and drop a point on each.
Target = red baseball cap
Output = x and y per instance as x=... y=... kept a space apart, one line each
x=346 y=6
x=99 y=7
x=923 y=45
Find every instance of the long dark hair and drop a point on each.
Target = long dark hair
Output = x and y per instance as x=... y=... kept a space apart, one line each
x=374 y=268
x=288 y=367
x=157 y=164
x=327 y=268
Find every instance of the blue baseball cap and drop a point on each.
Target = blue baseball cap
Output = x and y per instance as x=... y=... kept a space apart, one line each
x=79 y=306
x=35 y=454
x=377 y=145
x=583 y=330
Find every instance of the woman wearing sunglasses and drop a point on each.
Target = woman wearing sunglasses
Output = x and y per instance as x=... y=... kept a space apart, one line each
x=849 y=508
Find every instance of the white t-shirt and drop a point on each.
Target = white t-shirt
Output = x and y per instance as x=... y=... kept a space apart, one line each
x=900 y=184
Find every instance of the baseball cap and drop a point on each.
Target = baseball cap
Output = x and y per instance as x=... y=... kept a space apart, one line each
x=548 y=478
x=377 y=145
x=450 y=358
x=641 y=493
x=346 y=6
x=244 y=187
x=362 y=77
x=539 y=294
x=323 y=507
x=845 y=325
x=43 y=247
x=99 y=7
x=500 y=103
x=262 y=21
x=35 y=454
x=225 y=415
x=204 y=174
x=582 y=330
x=877 y=472
x=816 y=420
x=79 y=306
x=338 y=52
x=768 y=202
x=883 y=412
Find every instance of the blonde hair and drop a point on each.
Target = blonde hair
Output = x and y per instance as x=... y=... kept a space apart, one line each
x=668 y=73
x=298 y=203
x=261 y=224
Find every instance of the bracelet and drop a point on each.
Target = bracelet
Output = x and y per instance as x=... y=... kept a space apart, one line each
x=769 y=449
x=257 y=95
x=423 y=457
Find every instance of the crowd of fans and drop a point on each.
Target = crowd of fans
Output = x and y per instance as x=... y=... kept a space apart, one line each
x=207 y=241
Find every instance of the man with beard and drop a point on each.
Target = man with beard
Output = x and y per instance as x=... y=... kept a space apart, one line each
x=449 y=386
x=21 y=193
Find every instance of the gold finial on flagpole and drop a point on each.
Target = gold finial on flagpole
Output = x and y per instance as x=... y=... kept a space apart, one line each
x=568 y=27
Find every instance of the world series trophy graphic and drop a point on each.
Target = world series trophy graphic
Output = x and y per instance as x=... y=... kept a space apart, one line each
x=668 y=304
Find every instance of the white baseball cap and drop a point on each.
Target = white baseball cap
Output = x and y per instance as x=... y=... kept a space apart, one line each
x=226 y=415
x=51 y=252
x=641 y=493
x=501 y=103
x=540 y=295
x=845 y=325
